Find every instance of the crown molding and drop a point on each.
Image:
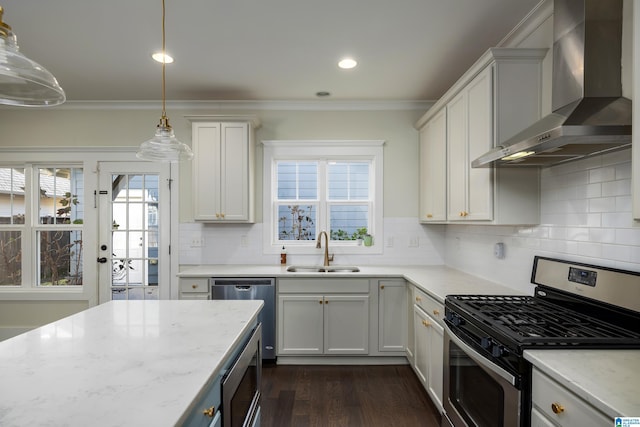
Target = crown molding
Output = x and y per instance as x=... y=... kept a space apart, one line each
x=324 y=105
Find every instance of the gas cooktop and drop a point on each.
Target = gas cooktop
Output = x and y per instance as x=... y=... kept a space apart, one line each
x=525 y=321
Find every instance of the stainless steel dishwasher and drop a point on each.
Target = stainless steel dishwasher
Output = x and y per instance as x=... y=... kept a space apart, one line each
x=227 y=288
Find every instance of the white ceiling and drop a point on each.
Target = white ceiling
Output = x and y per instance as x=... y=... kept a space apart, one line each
x=260 y=49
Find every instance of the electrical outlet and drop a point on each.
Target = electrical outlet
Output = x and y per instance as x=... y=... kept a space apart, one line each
x=197 y=242
x=244 y=241
x=414 y=242
x=389 y=242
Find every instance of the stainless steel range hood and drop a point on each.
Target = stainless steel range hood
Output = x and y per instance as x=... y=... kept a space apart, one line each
x=590 y=116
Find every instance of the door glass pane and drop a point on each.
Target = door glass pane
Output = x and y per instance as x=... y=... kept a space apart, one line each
x=10 y=262
x=135 y=237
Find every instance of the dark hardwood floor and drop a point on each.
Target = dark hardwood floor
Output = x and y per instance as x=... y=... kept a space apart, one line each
x=344 y=396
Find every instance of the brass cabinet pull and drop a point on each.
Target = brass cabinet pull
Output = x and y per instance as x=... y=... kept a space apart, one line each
x=326 y=302
x=436 y=312
x=209 y=412
x=426 y=323
x=217 y=215
x=222 y=215
x=418 y=299
x=194 y=286
x=557 y=408
x=429 y=215
x=320 y=302
x=381 y=286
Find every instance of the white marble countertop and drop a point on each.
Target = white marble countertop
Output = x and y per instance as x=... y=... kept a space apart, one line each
x=436 y=280
x=133 y=363
x=606 y=379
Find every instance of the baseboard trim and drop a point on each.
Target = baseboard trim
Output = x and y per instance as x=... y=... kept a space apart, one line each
x=342 y=360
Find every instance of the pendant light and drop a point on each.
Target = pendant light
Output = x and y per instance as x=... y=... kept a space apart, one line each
x=164 y=146
x=24 y=82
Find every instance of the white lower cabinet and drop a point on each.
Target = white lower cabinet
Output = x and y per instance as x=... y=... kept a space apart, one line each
x=428 y=345
x=194 y=288
x=323 y=317
x=411 y=342
x=554 y=405
x=392 y=315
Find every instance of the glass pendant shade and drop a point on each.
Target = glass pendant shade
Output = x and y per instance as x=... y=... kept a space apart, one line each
x=164 y=146
x=24 y=82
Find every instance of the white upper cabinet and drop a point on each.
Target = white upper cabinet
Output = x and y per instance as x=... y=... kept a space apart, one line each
x=497 y=97
x=223 y=171
x=433 y=169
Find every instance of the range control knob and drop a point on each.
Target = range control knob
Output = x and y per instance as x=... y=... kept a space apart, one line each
x=486 y=343
x=497 y=351
x=456 y=320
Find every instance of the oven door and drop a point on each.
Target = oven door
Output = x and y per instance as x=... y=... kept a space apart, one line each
x=476 y=391
x=241 y=385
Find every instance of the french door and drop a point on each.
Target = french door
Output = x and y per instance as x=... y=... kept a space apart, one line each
x=134 y=231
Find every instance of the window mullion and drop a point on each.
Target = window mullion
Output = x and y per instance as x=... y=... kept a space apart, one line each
x=323 y=206
x=29 y=242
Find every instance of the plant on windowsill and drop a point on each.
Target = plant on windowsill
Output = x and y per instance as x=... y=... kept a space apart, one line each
x=340 y=234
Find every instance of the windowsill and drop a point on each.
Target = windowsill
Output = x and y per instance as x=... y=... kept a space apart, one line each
x=18 y=293
x=333 y=249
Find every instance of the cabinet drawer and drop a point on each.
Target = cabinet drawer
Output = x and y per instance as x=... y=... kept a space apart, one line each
x=573 y=411
x=194 y=285
x=323 y=286
x=432 y=307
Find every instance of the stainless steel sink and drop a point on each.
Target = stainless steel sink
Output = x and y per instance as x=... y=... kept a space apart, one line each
x=322 y=269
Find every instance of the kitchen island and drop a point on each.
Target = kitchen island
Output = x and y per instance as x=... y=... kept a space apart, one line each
x=121 y=363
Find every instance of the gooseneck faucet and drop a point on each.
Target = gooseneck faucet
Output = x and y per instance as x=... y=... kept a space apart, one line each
x=326 y=247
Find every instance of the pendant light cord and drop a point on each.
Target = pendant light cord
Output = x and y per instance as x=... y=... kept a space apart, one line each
x=164 y=63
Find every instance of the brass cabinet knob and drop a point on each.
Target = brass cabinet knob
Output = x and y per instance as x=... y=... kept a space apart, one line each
x=222 y=215
x=436 y=312
x=557 y=408
x=194 y=286
x=418 y=299
x=209 y=412
x=217 y=215
x=320 y=302
x=429 y=215
x=426 y=323
x=326 y=302
x=381 y=286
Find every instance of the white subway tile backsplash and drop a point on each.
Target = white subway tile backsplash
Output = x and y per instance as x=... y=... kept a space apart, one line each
x=602 y=174
x=585 y=217
x=602 y=204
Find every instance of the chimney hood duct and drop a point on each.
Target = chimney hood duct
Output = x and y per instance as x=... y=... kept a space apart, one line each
x=590 y=116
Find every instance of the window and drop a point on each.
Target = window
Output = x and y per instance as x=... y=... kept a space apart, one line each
x=41 y=222
x=308 y=190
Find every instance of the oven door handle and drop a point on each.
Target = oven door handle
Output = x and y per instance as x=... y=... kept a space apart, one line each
x=480 y=360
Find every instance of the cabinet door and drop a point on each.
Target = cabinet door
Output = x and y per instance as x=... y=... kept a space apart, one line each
x=234 y=172
x=457 y=167
x=300 y=324
x=346 y=324
x=435 y=362
x=480 y=140
x=206 y=167
x=539 y=420
x=433 y=169
x=421 y=351
x=392 y=315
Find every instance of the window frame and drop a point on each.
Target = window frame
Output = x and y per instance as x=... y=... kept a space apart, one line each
x=32 y=227
x=341 y=150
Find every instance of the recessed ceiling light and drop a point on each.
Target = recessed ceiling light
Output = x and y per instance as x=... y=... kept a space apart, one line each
x=162 y=57
x=347 y=63
x=323 y=93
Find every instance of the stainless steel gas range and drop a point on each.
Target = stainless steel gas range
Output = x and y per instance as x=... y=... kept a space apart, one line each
x=487 y=381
